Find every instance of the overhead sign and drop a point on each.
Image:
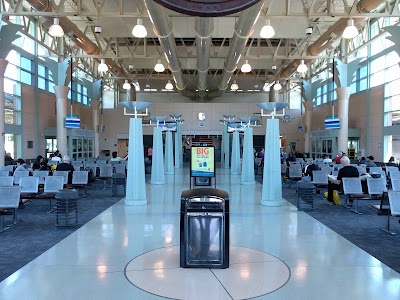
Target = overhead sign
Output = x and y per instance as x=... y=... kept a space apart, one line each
x=333 y=123
x=202 y=162
x=72 y=122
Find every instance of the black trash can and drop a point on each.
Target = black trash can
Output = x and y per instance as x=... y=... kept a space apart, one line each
x=305 y=196
x=118 y=184
x=204 y=229
x=67 y=207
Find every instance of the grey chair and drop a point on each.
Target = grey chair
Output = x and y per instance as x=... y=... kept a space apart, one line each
x=41 y=175
x=51 y=185
x=320 y=178
x=9 y=168
x=77 y=165
x=335 y=173
x=376 y=186
x=391 y=169
x=6 y=181
x=383 y=174
x=19 y=174
x=395 y=185
x=106 y=172
x=93 y=167
x=120 y=168
x=375 y=169
x=352 y=189
x=80 y=180
x=394 y=207
x=295 y=172
x=101 y=161
x=64 y=174
x=394 y=175
x=29 y=188
x=5 y=173
x=361 y=170
x=9 y=202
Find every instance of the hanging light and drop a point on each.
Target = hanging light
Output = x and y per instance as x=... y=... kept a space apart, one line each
x=234 y=86
x=302 y=67
x=169 y=86
x=159 y=67
x=139 y=30
x=102 y=68
x=246 y=68
x=126 y=85
x=350 y=31
x=277 y=86
x=267 y=31
x=55 y=29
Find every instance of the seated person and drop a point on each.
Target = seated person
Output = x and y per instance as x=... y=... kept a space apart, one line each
x=37 y=163
x=308 y=170
x=346 y=171
x=66 y=166
x=115 y=157
x=21 y=165
x=370 y=161
x=362 y=161
x=326 y=159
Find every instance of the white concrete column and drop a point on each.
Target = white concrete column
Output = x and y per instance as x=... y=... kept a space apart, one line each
x=179 y=132
x=308 y=109
x=248 y=158
x=226 y=149
x=61 y=106
x=3 y=66
x=157 y=161
x=95 y=125
x=343 y=95
x=169 y=155
x=235 y=162
x=178 y=147
x=135 y=182
x=222 y=144
x=272 y=181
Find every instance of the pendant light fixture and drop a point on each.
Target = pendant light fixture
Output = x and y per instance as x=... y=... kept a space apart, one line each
x=56 y=30
x=234 y=86
x=126 y=85
x=267 y=31
x=169 y=86
x=246 y=68
x=302 y=67
x=350 y=31
x=277 y=86
x=139 y=30
x=159 y=67
x=102 y=68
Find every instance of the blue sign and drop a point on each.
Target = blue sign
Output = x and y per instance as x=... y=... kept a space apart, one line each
x=332 y=123
x=72 y=122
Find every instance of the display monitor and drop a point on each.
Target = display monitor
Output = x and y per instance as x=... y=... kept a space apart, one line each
x=72 y=122
x=202 y=162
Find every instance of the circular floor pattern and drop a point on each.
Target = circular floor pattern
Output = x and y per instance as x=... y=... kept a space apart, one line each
x=251 y=273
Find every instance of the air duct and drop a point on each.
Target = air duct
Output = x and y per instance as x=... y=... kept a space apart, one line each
x=163 y=29
x=76 y=35
x=204 y=29
x=334 y=33
x=243 y=30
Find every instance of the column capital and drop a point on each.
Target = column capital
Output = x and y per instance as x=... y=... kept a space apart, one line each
x=61 y=91
x=3 y=66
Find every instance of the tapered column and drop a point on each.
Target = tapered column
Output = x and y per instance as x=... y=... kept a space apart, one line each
x=3 y=66
x=235 y=168
x=169 y=157
x=95 y=125
x=179 y=132
x=272 y=182
x=343 y=95
x=135 y=185
x=308 y=108
x=178 y=147
x=226 y=149
x=61 y=107
x=248 y=158
x=157 y=161
x=224 y=134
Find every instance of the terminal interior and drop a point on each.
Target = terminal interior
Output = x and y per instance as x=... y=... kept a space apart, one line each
x=148 y=99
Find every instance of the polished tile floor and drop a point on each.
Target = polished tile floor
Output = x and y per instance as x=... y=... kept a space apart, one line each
x=91 y=262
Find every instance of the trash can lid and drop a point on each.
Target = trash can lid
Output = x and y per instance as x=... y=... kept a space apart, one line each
x=67 y=194
x=204 y=192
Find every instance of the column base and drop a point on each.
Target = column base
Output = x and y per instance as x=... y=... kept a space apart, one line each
x=272 y=203
x=135 y=202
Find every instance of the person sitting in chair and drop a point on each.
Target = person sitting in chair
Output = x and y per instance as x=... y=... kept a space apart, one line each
x=346 y=171
x=66 y=166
